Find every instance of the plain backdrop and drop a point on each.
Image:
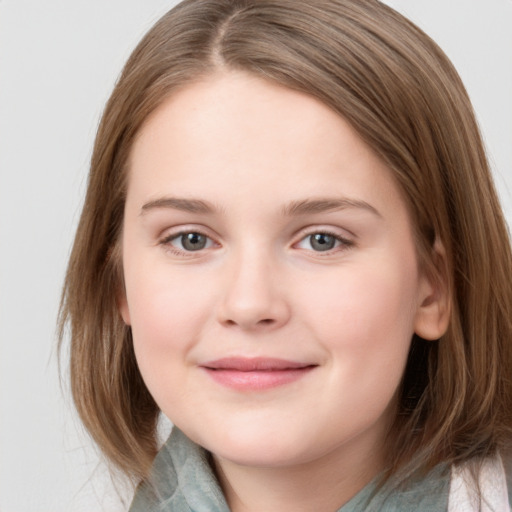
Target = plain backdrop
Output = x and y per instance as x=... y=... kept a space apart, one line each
x=58 y=63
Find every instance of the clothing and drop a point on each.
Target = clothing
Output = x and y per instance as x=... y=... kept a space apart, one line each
x=493 y=485
x=183 y=481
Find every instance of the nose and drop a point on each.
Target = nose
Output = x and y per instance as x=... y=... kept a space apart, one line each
x=253 y=295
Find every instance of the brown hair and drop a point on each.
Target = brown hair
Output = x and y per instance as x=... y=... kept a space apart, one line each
x=402 y=95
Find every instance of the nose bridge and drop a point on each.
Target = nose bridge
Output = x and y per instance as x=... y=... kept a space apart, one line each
x=253 y=297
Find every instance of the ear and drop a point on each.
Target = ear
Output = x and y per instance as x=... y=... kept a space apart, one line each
x=122 y=306
x=433 y=312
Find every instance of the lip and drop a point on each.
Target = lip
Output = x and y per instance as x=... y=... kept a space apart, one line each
x=255 y=374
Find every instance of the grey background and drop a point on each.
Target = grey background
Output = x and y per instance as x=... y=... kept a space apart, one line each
x=58 y=63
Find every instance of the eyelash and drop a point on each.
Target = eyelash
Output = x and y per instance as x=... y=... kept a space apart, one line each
x=343 y=244
x=166 y=242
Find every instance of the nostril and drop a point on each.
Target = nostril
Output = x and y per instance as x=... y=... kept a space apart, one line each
x=262 y=322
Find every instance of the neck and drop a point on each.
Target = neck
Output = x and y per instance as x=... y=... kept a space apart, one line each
x=324 y=484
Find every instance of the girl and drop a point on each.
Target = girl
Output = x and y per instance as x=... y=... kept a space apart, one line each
x=292 y=247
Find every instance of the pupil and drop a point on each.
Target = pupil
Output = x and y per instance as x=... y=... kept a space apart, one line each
x=193 y=241
x=322 y=242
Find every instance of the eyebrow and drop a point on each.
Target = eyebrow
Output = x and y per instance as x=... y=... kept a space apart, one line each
x=176 y=203
x=295 y=208
x=312 y=206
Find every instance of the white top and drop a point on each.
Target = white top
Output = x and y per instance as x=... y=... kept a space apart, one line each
x=493 y=485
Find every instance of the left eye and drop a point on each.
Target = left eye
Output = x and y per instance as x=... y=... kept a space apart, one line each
x=320 y=242
x=190 y=242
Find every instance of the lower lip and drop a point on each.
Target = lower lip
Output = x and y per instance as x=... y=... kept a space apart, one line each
x=256 y=380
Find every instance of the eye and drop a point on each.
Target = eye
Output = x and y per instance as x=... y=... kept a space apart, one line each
x=323 y=242
x=188 y=242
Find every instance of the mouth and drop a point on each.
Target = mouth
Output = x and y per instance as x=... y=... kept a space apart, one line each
x=255 y=374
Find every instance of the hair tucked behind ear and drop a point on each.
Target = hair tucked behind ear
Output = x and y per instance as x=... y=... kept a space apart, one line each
x=400 y=92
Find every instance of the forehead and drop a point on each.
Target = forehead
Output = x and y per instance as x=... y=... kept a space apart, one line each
x=256 y=111
x=233 y=133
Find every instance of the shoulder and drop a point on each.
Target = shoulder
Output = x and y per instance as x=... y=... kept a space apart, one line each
x=494 y=483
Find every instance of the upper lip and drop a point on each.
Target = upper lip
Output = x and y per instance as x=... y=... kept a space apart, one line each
x=252 y=364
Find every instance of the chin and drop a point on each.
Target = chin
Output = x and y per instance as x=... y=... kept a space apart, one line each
x=258 y=449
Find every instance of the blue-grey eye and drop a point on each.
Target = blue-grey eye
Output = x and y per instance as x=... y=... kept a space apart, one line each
x=193 y=241
x=322 y=242
x=189 y=242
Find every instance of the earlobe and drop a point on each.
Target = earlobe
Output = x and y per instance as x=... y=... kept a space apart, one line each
x=433 y=312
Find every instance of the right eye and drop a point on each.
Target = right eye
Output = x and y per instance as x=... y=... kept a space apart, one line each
x=188 y=241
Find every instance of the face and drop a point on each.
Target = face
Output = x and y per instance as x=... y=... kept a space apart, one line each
x=272 y=283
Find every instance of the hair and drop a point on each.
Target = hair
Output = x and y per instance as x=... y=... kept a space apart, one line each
x=399 y=91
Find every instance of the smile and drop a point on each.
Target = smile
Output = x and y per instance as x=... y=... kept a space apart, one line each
x=255 y=374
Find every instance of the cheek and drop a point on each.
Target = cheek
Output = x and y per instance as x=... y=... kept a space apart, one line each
x=365 y=317
x=167 y=314
x=367 y=326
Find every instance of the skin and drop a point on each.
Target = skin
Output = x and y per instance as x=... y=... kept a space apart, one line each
x=254 y=152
